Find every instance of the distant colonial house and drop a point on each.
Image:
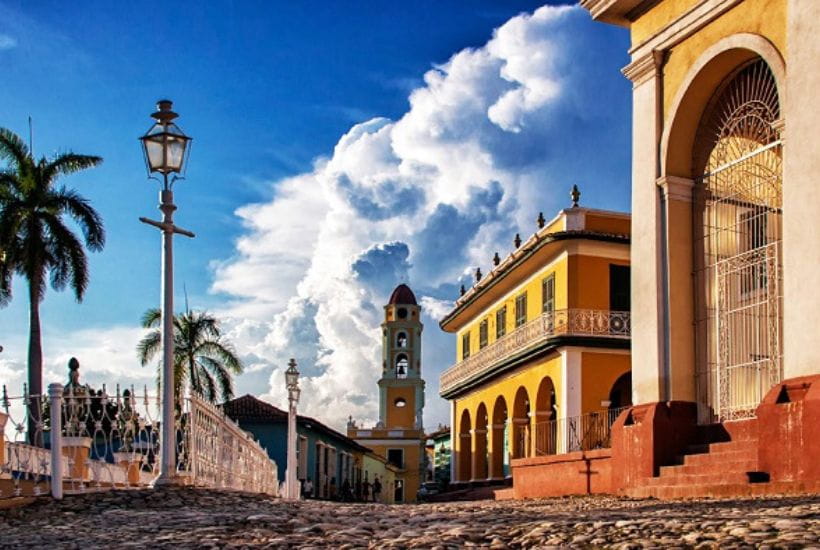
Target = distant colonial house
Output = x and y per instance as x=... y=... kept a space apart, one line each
x=324 y=455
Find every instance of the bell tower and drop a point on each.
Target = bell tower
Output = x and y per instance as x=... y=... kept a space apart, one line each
x=401 y=388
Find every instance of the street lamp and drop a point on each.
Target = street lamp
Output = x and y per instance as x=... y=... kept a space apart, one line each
x=292 y=385
x=166 y=150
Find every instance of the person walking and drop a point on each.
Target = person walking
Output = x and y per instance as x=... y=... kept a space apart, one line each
x=377 y=489
x=308 y=488
x=366 y=490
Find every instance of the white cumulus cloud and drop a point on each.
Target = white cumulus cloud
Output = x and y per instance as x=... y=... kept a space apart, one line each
x=422 y=200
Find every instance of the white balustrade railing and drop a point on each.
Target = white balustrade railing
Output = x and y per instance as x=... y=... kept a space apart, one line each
x=564 y=322
x=112 y=441
x=225 y=456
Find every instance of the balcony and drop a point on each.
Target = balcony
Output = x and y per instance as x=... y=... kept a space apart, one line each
x=564 y=322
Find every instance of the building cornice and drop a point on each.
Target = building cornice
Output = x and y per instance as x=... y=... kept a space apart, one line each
x=616 y=12
x=529 y=248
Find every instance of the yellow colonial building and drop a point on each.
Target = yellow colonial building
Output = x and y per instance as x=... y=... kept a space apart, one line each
x=542 y=347
x=399 y=435
x=726 y=229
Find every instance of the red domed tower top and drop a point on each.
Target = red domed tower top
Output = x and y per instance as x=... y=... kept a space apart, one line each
x=403 y=295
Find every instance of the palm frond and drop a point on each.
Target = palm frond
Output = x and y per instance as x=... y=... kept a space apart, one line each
x=148 y=347
x=68 y=261
x=151 y=318
x=222 y=375
x=13 y=148
x=222 y=352
x=89 y=220
x=68 y=163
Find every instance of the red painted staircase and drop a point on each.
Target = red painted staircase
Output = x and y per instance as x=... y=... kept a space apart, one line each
x=724 y=464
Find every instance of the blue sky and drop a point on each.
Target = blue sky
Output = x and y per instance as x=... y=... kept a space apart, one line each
x=339 y=148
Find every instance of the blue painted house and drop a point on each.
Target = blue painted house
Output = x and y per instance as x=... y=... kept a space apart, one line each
x=324 y=455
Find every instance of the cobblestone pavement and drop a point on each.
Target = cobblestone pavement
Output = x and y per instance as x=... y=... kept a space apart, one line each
x=186 y=518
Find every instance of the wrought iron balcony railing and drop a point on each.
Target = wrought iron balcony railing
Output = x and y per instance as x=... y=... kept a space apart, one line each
x=577 y=433
x=564 y=322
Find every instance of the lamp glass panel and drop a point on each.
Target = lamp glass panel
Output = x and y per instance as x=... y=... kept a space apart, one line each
x=291 y=378
x=154 y=153
x=176 y=153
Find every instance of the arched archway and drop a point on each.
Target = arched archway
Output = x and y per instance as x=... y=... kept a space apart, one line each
x=464 y=448
x=546 y=413
x=499 y=455
x=737 y=159
x=620 y=395
x=480 y=444
x=723 y=143
x=521 y=424
x=402 y=365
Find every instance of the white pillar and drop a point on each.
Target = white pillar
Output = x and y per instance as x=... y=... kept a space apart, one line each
x=649 y=378
x=801 y=194
x=55 y=393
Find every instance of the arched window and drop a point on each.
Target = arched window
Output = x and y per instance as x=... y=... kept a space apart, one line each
x=401 y=366
x=401 y=340
x=738 y=254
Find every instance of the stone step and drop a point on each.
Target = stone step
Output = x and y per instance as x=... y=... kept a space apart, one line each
x=719 y=457
x=728 y=446
x=723 y=490
x=674 y=480
x=742 y=466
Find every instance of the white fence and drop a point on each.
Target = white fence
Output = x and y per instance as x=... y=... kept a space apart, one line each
x=113 y=441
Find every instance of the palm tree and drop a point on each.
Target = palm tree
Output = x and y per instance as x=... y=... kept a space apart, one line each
x=202 y=358
x=35 y=242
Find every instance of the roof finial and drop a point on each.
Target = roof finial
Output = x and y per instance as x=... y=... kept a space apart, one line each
x=463 y=290
x=496 y=259
x=541 y=221
x=575 y=194
x=517 y=240
x=477 y=274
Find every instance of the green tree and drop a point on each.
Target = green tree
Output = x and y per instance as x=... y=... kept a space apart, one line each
x=35 y=241
x=202 y=358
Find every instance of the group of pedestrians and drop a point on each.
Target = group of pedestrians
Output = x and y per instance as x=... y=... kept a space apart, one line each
x=361 y=491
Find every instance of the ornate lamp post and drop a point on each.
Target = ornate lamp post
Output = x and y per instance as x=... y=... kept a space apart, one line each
x=166 y=151
x=292 y=384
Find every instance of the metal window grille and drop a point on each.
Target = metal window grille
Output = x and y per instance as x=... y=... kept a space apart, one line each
x=482 y=334
x=465 y=345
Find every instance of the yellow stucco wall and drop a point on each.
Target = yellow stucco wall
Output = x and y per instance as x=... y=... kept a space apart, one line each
x=401 y=417
x=766 y=18
x=590 y=277
x=607 y=224
x=661 y=15
x=534 y=304
x=599 y=372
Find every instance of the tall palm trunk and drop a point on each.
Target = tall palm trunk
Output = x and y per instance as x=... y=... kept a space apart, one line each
x=35 y=365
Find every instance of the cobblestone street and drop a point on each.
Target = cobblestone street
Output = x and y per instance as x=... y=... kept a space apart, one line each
x=186 y=518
